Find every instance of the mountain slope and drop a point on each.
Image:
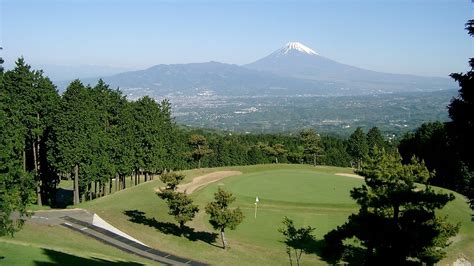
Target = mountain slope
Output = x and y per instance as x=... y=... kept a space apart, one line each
x=299 y=61
x=211 y=77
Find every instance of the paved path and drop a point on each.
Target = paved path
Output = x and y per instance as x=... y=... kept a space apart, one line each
x=81 y=221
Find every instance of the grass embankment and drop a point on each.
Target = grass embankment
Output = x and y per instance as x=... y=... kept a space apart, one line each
x=308 y=195
x=39 y=244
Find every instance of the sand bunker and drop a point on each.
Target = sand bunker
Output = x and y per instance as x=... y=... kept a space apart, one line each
x=201 y=181
x=350 y=175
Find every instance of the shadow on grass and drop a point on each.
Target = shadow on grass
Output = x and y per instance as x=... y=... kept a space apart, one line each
x=351 y=255
x=168 y=228
x=60 y=258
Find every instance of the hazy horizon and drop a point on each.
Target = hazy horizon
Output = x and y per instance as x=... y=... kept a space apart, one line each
x=409 y=37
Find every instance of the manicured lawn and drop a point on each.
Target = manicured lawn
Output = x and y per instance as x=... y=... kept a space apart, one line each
x=309 y=195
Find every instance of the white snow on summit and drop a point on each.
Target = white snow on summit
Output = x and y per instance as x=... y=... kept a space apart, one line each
x=296 y=46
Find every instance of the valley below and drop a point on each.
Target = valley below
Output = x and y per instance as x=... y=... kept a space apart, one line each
x=393 y=113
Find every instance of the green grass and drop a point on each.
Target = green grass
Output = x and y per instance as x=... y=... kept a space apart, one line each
x=308 y=195
x=59 y=245
x=20 y=254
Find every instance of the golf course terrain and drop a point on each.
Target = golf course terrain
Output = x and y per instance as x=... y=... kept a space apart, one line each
x=311 y=196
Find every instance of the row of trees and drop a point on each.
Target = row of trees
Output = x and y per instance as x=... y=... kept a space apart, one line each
x=306 y=147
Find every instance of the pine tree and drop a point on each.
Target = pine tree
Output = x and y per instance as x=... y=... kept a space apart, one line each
x=375 y=139
x=221 y=217
x=180 y=206
x=397 y=221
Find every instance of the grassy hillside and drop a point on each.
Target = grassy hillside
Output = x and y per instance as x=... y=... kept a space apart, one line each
x=308 y=195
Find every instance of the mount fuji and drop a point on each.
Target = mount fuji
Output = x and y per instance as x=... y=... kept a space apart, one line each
x=299 y=61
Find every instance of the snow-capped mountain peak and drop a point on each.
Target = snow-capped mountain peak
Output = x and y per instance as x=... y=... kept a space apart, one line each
x=292 y=46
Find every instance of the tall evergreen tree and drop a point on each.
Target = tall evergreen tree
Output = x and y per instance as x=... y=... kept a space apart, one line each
x=357 y=146
x=461 y=110
x=375 y=139
x=16 y=185
x=34 y=100
x=313 y=146
x=73 y=128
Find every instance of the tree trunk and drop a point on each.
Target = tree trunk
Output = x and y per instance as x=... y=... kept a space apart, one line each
x=146 y=176
x=76 y=184
x=224 y=242
x=288 y=251
x=124 y=185
x=297 y=259
x=116 y=184
x=24 y=159
x=95 y=190
x=38 y=184
x=314 y=159
x=89 y=191
x=199 y=164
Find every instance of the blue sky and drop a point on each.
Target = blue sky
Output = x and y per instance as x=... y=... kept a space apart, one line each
x=398 y=36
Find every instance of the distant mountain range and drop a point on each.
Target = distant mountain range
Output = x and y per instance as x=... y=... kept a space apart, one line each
x=292 y=70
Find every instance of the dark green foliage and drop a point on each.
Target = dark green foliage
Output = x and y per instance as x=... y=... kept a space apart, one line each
x=431 y=143
x=396 y=222
x=200 y=148
x=221 y=217
x=335 y=152
x=461 y=110
x=32 y=99
x=313 y=147
x=358 y=147
x=16 y=185
x=375 y=139
x=299 y=239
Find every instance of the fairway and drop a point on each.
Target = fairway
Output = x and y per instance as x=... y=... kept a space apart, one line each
x=311 y=196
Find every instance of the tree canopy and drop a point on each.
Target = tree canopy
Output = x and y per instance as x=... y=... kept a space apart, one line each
x=396 y=222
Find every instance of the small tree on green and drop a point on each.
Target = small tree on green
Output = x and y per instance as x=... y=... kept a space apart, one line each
x=221 y=217
x=200 y=148
x=171 y=180
x=297 y=240
x=180 y=206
